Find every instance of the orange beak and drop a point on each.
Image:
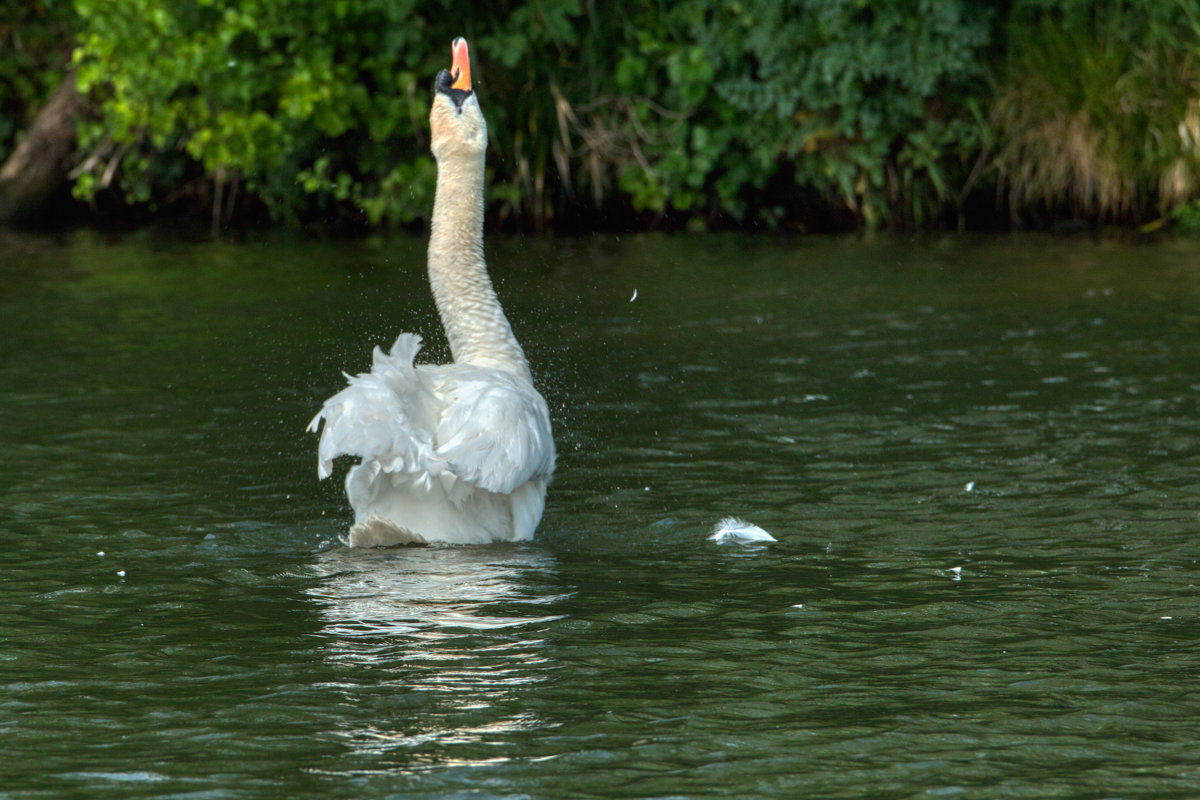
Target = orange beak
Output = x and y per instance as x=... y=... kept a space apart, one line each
x=460 y=68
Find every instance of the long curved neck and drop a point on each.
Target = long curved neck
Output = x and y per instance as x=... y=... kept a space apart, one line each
x=475 y=324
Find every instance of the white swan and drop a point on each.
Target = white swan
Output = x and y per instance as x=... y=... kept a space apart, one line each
x=460 y=452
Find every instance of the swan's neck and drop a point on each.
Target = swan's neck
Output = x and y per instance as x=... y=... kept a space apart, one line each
x=475 y=324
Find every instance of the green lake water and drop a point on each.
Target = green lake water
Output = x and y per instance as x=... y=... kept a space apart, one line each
x=980 y=458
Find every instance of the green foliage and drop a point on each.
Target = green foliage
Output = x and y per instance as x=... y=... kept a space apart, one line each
x=1186 y=217
x=861 y=98
x=303 y=104
x=688 y=112
x=695 y=108
x=35 y=45
x=689 y=108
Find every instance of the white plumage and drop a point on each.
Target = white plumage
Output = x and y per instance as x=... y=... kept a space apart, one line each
x=459 y=452
x=451 y=453
x=732 y=529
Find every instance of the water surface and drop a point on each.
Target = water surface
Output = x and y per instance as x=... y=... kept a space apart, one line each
x=981 y=459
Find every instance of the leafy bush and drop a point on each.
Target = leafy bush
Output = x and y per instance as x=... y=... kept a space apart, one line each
x=859 y=99
x=693 y=112
x=690 y=109
x=306 y=105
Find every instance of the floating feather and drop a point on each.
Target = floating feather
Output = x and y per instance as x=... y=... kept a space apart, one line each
x=732 y=529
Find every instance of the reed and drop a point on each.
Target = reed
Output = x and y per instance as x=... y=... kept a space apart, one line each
x=1099 y=116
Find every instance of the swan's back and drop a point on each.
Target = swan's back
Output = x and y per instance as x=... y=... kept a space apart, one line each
x=450 y=453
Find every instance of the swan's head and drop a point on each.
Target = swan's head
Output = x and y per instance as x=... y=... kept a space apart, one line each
x=455 y=122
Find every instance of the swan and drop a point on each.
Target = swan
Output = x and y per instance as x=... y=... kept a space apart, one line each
x=461 y=452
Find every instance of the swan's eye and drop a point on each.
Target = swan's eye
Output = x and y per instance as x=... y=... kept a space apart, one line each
x=444 y=84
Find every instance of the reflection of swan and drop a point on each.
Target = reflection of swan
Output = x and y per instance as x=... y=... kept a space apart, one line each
x=456 y=453
x=453 y=637
x=427 y=594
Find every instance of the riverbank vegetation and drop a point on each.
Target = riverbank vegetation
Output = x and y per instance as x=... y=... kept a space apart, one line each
x=699 y=114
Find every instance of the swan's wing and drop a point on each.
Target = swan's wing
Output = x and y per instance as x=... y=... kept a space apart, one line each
x=385 y=415
x=494 y=429
x=455 y=423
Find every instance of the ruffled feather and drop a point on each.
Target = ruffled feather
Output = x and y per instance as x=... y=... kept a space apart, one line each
x=455 y=453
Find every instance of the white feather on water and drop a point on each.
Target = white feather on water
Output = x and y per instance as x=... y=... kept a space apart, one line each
x=732 y=529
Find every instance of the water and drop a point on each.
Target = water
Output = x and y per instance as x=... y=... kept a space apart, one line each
x=981 y=459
